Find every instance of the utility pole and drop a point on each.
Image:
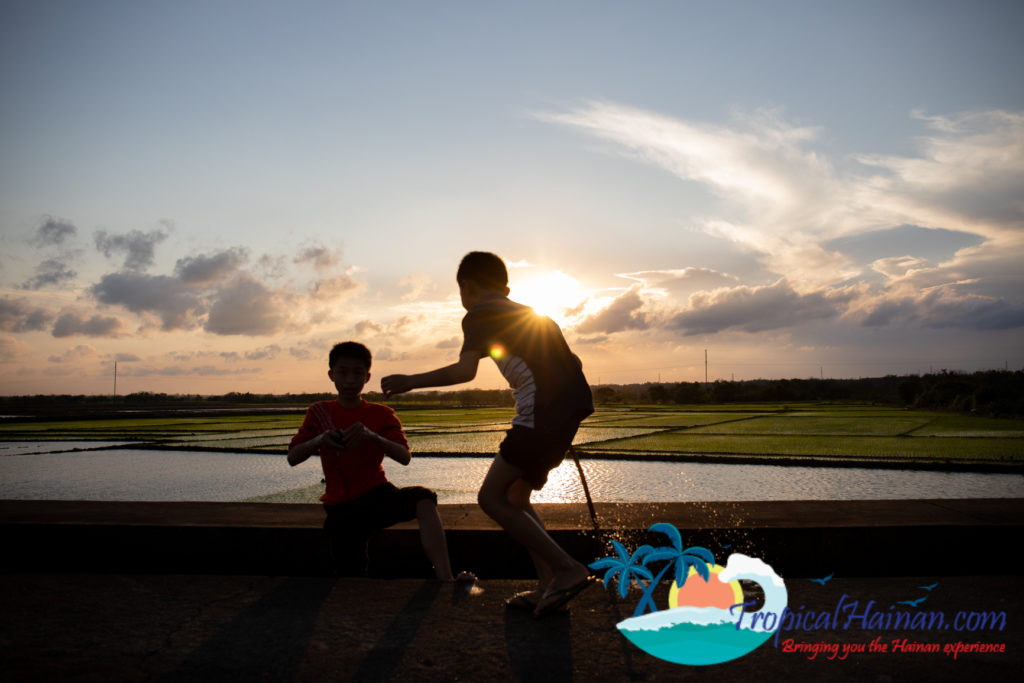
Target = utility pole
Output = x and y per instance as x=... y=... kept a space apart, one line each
x=115 y=379
x=705 y=367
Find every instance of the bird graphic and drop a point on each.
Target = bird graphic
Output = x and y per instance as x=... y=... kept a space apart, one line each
x=928 y=588
x=824 y=580
x=912 y=603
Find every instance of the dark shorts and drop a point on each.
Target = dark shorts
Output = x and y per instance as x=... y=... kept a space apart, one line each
x=350 y=525
x=537 y=451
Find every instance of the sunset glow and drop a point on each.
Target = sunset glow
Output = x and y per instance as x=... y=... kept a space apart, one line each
x=211 y=233
x=551 y=293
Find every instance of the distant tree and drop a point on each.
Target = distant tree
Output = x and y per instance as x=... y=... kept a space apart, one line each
x=688 y=392
x=658 y=393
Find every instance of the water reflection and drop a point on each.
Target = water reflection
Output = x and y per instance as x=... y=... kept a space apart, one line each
x=617 y=481
x=177 y=475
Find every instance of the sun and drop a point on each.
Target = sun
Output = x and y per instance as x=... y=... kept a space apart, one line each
x=698 y=593
x=548 y=293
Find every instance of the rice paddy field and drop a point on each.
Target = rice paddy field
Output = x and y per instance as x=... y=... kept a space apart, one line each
x=795 y=434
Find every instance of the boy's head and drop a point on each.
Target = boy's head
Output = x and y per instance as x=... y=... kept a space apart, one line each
x=349 y=370
x=481 y=272
x=350 y=349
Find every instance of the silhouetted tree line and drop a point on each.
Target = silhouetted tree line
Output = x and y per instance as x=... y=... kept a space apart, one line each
x=69 y=405
x=993 y=392
x=468 y=398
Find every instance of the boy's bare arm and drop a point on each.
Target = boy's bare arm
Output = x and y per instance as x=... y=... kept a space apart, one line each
x=300 y=453
x=350 y=437
x=358 y=433
x=461 y=371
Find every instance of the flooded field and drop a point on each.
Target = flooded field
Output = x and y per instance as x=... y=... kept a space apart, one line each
x=240 y=456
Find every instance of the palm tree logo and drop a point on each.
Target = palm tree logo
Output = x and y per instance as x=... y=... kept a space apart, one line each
x=701 y=625
x=627 y=567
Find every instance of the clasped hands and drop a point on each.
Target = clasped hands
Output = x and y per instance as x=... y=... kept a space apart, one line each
x=343 y=438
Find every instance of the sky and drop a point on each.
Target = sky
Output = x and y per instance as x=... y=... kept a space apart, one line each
x=211 y=194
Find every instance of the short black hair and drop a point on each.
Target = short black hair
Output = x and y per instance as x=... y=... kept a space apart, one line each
x=350 y=349
x=483 y=268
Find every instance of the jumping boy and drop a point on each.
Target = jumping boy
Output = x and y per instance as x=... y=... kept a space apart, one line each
x=352 y=437
x=552 y=398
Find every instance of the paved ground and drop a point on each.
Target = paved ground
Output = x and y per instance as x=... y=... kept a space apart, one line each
x=110 y=627
x=153 y=592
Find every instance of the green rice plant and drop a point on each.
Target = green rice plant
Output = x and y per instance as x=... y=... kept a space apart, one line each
x=463 y=416
x=790 y=424
x=674 y=419
x=588 y=434
x=473 y=442
x=881 y=447
x=963 y=425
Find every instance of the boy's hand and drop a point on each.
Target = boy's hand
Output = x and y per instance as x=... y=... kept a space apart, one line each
x=395 y=384
x=356 y=433
x=343 y=438
x=334 y=438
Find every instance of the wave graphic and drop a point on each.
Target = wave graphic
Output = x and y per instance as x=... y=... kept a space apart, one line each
x=710 y=635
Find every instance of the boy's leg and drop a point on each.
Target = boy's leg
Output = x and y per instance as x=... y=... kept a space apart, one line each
x=419 y=503
x=435 y=545
x=524 y=527
x=347 y=541
x=519 y=495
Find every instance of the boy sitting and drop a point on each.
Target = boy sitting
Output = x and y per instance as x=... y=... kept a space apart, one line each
x=352 y=437
x=552 y=398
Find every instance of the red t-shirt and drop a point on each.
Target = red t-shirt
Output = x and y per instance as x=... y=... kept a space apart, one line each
x=353 y=471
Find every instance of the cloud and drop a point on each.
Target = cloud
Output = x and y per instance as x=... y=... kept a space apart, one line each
x=966 y=177
x=389 y=354
x=11 y=348
x=624 y=313
x=417 y=283
x=779 y=197
x=899 y=266
x=449 y=343
x=681 y=281
x=787 y=203
x=71 y=323
x=126 y=357
x=206 y=269
x=730 y=160
x=49 y=272
x=18 y=316
x=756 y=309
x=138 y=247
x=329 y=288
x=366 y=328
x=319 y=256
x=939 y=308
x=165 y=296
x=180 y=371
x=53 y=232
x=246 y=306
x=597 y=339
x=215 y=291
x=266 y=353
x=80 y=352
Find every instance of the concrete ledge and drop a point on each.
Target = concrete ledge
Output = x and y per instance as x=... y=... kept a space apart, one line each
x=798 y=538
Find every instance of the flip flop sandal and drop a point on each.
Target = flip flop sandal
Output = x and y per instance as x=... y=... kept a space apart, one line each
x=560 y=598
x=522 y=601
